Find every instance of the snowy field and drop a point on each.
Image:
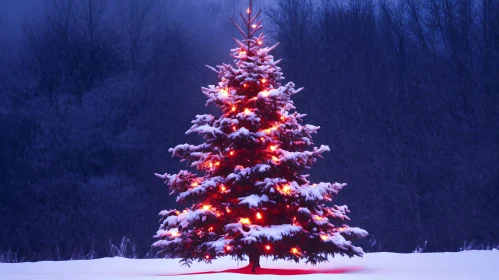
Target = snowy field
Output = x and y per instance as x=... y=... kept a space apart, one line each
x=463 y=265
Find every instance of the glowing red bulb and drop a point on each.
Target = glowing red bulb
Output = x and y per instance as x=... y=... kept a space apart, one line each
x=206 y=207
x=245 y=221
x=259 y=216
x=324 y=237
x=268 y=247
x=228 y=248
x=264 y=80
x=231 y=153
x=253 y=26
x=273 y=148
x=245 y=85
x=295 y=251
x=259 y=42
x=207 y=257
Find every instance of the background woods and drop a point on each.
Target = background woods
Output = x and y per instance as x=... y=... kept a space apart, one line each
x=94 y=92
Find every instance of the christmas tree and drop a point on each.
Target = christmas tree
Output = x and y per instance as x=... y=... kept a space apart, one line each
x=252 y=198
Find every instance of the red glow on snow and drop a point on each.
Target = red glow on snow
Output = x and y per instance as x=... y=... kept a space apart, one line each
x=265 y=93
x=175 y=233
x=177 y=212
x=279 y=271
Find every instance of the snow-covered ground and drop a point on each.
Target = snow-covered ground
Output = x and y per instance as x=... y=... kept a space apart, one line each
x=480 y=265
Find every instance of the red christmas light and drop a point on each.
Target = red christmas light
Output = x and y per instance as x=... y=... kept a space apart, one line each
x=224 y=92
x=264 y=80
x=267 y=247
x=207 y=257
x=228 y=248
x=245 y=221
x=324 y=237
x=259 y=216
x=206 y=207
x=286 y=189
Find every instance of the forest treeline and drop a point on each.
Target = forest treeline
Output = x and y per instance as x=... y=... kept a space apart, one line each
x=95 y=92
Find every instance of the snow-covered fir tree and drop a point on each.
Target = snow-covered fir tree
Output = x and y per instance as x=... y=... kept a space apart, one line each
x=252 y=198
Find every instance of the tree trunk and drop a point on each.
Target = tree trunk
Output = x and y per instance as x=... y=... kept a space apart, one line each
x=254 y=260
